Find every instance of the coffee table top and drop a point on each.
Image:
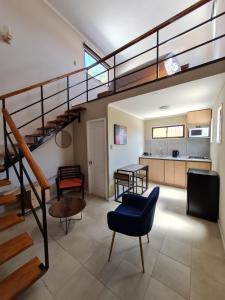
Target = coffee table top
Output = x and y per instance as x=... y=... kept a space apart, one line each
x=67 y=207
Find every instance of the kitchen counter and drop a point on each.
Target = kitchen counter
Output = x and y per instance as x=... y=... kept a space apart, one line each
x=179 y=158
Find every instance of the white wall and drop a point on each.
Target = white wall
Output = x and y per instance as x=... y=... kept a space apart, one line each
x=218 y=158
x=121 y=155
x=43 y=47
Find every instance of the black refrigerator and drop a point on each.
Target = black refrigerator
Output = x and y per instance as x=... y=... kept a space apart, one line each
x=203 y=194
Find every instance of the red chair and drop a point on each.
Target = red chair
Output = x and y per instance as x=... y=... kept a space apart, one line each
x=68 y=178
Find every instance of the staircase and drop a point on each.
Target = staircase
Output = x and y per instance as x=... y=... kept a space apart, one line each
x=26 y=275
x=22 y=278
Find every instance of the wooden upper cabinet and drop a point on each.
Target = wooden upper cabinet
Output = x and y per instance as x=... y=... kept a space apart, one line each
x=199 y=117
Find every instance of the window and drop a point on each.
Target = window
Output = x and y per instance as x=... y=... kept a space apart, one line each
x=90 y=57
x=219 y=125
x=174 y=131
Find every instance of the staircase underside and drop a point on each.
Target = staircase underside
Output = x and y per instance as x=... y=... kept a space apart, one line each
x=36 y=139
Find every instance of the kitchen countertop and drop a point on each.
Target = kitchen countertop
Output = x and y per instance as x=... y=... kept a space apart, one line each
x=168 y=157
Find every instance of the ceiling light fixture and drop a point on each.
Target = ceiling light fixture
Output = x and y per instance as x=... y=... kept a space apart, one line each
x=164 y=107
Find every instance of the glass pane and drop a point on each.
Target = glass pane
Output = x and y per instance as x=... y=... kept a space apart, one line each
x=90 y=60
x=159 y=132
x=175 y=131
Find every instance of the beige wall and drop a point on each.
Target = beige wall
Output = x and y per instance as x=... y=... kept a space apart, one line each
x=218 y=158
x=148 y=124
x=43 y=47
x=121 y=155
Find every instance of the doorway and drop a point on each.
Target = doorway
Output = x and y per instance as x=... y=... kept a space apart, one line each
x=97 y=157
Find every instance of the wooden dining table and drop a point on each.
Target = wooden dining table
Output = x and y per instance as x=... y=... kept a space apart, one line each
x=134 y=170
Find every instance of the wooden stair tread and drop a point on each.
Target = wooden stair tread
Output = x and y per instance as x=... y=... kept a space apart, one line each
x=77 y=109
x=50 y=126
x=7 y=199
x=20 y=280
x=4 y=182
x=36 y=134
x=56 y=121
x=10 y=220
x=68 y=114
x=14 y=246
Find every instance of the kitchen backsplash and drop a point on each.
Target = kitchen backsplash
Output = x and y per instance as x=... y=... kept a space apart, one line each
x=186 y=147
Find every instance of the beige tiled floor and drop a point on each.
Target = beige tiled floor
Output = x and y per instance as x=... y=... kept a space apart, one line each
x=184 y=260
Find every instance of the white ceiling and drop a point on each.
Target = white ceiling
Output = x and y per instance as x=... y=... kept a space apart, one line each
x=198 y=94
x=111 y=24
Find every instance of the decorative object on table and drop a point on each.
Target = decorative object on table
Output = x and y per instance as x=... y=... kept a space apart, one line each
x=65 y=209
x=120 y=135
x=134 y=217
x=68 y=178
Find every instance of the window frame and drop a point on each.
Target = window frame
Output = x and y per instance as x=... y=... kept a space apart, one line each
x=169 y=126
x=95 y=56
x=219 y=124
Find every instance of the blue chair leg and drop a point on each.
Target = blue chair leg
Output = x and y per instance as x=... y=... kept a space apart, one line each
x=111 y=247
x=142 y=255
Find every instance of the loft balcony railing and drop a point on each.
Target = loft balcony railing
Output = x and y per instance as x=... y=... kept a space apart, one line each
x=79 y=87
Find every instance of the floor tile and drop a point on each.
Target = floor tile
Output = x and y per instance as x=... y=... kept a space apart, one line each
x=80 y=246
x=210 y=245
x=106 y=294
x=173 y=274
x=133 y=256
x=99 y=266
x=180 y=252
x=205 y=288
x=210 y=265
x=36 y=292
x=80 y=286
x=59 y=273
x=129 y=282
x=158 y=291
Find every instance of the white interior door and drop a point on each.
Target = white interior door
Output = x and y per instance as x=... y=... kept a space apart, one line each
x=96 y=135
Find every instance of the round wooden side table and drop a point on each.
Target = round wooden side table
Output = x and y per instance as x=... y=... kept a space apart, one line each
x=66 y=208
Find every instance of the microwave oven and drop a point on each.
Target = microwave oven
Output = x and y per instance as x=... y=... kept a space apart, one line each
x=201 y=132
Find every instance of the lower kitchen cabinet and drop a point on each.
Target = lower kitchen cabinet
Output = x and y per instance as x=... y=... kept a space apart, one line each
x=156 y=169
x=175 y=173
x=198 y=165
x=171 y=172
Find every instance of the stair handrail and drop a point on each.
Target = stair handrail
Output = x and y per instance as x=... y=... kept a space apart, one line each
x=42 y=180
x=112 y=54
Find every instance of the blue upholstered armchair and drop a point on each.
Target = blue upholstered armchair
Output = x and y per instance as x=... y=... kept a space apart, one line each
x=134 y=217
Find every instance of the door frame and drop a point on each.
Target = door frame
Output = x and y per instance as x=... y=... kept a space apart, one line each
x=88 y=124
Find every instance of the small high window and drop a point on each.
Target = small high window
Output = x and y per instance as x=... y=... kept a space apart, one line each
x=174 y=131
x=100 y=71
